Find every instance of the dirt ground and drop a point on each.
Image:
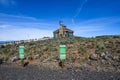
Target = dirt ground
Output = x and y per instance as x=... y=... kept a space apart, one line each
x=13 y=71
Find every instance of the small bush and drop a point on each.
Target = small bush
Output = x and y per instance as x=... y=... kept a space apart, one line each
x=101 y=46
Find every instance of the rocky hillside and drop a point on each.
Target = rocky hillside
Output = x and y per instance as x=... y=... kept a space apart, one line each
x=102 y=52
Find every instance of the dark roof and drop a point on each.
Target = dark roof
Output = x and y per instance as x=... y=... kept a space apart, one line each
x=69 y=30
x=56 y=31
x=66 y=29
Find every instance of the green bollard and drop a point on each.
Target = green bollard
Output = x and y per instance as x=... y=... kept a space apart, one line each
x=21 y=54
x=62 y=51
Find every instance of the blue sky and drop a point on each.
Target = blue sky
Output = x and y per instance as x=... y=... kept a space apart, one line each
x=27 y=19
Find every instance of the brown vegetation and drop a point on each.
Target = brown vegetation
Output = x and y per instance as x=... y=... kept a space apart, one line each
x=103 y=51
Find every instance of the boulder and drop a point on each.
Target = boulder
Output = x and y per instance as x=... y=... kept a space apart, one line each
x=37 y=56
x=45 y=48
x=14 y=59
x=116 y=58
x=102 y=54
x=107 y=55
x=93 y=57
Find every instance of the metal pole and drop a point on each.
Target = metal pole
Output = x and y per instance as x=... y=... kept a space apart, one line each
x=63 y=64
x=22 y=63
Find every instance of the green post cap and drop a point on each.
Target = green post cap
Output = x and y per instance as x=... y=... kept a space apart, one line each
x=62 y=49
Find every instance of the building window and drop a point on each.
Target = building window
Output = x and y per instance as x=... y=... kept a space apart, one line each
x=70 y=34
x=56 y=35
x=65 y=34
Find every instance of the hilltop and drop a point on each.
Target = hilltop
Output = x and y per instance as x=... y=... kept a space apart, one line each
x=99 y=53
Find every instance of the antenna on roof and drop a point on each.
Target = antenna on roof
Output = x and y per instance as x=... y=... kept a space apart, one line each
x=60 y=22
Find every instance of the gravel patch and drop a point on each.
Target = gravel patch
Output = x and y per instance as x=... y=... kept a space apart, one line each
x=32 y=72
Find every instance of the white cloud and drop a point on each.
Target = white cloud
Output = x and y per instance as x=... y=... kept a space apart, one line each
x=23 y=34
x=4 y=26
x=88 y=31
x=21 y=31
x=7 y=2
x=78 y=11
x=80 y=8
x=17 y=17
x=15 y=27
x=93 y=27
x=89 y=28
x=101 y=21
x=98 y=22
x=18 y=21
